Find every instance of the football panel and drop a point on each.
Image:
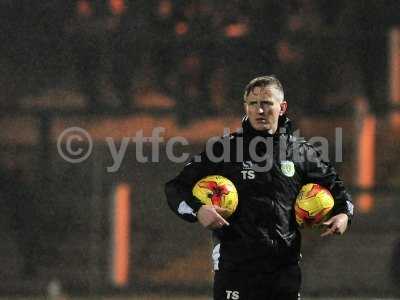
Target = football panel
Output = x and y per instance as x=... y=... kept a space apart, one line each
x=228 y=197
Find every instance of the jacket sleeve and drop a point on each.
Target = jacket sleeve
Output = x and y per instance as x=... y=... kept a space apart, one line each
x=179 y=190
x=321 y=172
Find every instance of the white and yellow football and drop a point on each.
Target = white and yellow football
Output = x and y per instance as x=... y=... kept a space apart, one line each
x=217 y=190
x=313 y=204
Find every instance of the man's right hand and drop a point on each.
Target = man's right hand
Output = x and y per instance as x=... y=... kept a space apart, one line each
x=209 y=216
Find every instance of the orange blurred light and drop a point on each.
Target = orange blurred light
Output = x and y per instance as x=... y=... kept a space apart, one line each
x=236 y=30
x=117 y=7
x=366 y=153
x=121 y=235
x=395 y=120
x=165 y=8
x=84 y=8
x=365 y=202
x=181 y=28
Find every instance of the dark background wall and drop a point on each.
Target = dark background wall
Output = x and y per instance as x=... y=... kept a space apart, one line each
x=67 y=236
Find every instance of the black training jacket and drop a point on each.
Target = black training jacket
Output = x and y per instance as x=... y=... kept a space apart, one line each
x=263 y=234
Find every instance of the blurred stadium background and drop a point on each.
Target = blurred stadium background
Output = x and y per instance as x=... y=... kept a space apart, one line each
x=115 y=67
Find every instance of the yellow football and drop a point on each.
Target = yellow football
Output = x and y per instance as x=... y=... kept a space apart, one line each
x=313 y=205
x=217 y=190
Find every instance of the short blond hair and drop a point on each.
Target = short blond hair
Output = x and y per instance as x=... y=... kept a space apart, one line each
x=264 y=81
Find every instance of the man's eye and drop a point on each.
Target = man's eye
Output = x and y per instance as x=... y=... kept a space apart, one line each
x=264 y=103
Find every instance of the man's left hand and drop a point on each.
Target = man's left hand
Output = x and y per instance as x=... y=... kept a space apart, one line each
x=336 y=225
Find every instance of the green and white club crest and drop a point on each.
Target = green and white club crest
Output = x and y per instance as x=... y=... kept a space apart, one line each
x=287 y=168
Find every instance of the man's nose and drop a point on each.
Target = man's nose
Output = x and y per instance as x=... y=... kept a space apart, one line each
x=260 y=110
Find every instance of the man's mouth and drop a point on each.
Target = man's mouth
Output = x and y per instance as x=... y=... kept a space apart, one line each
x=261 y=120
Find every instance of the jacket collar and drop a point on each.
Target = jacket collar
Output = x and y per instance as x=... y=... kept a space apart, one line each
x=284 y=128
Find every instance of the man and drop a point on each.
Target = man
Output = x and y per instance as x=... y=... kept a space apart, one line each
x=256 y=253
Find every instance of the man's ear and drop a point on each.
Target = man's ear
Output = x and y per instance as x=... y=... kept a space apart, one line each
x=245 y=108
x=284 y=106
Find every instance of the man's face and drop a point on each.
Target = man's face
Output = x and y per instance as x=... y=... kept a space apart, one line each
x=263 y=107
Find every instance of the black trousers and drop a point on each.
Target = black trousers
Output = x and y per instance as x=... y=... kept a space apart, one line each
x=283 y=284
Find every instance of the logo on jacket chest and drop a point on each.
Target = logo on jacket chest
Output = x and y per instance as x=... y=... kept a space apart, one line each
x=287 y=168
x=247 y=170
